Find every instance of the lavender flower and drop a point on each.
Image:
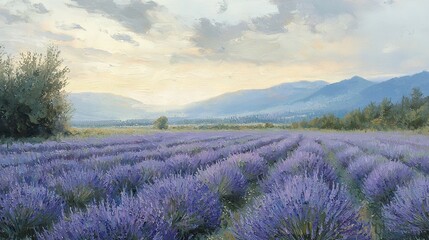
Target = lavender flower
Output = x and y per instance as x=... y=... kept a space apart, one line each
x=226 y=180
x=80 y=187
x=383 y=181
x=408 y=213
x=311 y=147
x=125 y=178
x=251 y=165
x=420 y=162
x=180 y=207
x=300 y=163
x=303 y=208
x=27 y=209
x=182 y=164
x=101 y=222
x=363 y=166
x=348 y=155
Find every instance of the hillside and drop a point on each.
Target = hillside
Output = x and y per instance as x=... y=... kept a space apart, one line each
x=299 y=98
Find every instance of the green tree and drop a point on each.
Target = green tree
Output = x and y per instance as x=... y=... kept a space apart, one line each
x=33 y=101
x=416 y=99
x=161 y=123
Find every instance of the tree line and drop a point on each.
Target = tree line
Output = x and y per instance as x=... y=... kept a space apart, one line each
x=412 y=112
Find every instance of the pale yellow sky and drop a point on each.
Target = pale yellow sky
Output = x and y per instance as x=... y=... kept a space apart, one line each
x=170 y=52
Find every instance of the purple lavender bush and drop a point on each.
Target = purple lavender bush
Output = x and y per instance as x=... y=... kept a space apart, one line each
x=348 y=155
x=420 y=162
x=251 y=165
x=363 y=166
x=302 y=208
x=153 y=170
x=275 y=151
x=179 y=207
x=310 y=146
x=182 y=164
x=124 y=178
x=80 y=187
x=226 y=180
x=300 y=163
x=383 y=181
x=101 y=222
x=407 y=214
x=27 y=209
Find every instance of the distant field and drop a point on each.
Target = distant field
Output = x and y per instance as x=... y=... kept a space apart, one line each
x=140 y=183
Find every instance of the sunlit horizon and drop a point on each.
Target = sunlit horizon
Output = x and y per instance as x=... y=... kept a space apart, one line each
x=170 y=54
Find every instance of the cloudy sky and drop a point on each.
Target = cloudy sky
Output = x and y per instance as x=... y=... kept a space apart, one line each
x=173 y=52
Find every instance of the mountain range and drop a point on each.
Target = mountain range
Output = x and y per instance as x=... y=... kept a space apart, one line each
x=303 y=97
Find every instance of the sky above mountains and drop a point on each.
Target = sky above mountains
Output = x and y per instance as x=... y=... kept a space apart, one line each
x=170 y=52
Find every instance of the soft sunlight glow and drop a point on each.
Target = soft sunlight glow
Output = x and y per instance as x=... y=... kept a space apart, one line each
x=171 y=54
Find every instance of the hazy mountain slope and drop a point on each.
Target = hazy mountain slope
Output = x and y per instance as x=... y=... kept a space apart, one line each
x=283 y=100
x=395 y=88
x=105 y=106
x=250 y=101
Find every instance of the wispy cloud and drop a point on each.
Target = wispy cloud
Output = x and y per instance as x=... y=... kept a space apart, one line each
x=40 y=8
x=10 y=18
x=72 y=26
x=124 y=38
x=133 y=16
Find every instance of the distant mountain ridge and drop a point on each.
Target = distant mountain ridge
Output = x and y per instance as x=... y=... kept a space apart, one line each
x=251 y=101
x=300 y=98
x=90 y=106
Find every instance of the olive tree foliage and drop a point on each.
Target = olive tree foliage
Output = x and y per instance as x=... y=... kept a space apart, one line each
x=33 y=101
x=161 y=123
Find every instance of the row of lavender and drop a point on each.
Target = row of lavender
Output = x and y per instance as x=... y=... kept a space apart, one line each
x=152 y=187
x=303 y=200
x=390 y=177
x=181 y=186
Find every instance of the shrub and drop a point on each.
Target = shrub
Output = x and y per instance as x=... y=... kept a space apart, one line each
x=153 y=170
x=179 y=207
x=27 y=209
x=125 y=178
x=80 y=187
x=420 y=162
x=363 y=166
x=311 y=147
x=348 y=155
x=302 y=208
x=408 y=213
x=300 y=163
x=161 y=123
x=383 y=181
x=101 y=222
x=226 y=180
x=182 y=164
x=32 y=97
x=251 y=165
x=273 y=152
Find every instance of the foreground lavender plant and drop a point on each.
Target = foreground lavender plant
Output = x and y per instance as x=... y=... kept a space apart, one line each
x=363 y=166
x=180 y=207
x=27 y=209
x=102 y=222
x=348 y=155
x=408 y=213
x=251 y=165
x=124 y=178
x=382 y=182
x=300 y=163
x=225 y=179
x=80 y=187
x=303 y=208
x=420 y=162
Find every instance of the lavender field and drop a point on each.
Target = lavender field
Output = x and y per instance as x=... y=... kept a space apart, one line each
x=218 y=185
